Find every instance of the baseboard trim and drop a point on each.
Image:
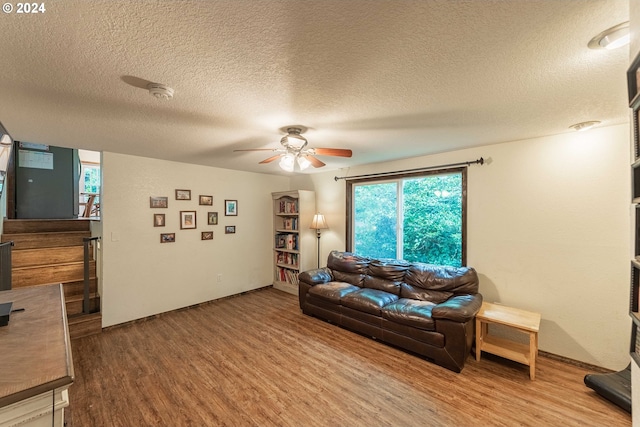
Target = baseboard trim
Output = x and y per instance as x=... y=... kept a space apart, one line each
x=189 y=307
x=595 y=368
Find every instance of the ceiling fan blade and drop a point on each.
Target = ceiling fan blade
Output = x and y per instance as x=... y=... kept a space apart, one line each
x=257 y=149
x=340 y=152
x=270 y=159
x=315 y=162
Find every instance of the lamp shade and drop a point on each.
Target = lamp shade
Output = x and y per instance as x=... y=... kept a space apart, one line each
x=287 y=162
x=318 y=222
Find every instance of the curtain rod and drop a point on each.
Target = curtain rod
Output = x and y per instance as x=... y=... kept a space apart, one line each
x=480 y=161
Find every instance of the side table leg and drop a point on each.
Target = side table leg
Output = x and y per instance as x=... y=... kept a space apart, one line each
x=478 y=339
x=533 y=353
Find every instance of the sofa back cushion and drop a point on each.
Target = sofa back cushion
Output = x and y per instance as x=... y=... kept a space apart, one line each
x=348 y=267
x=374 y=282
x=386 y=275
x=437 y=283
x=422 y=294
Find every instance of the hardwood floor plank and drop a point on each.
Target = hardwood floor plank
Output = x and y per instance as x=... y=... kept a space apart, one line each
x=256 y=360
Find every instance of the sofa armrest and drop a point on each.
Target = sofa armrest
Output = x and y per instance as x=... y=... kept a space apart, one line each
x=316 y=277
x=460 y=308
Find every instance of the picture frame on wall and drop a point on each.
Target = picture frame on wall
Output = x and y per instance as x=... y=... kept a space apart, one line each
x=183 y=194
x=230 y=229
x=231 y=208
x=158 y=202
x=187 y=220
x=212 y=218
x=206 y=200
x=158 y=220
x=206 y=235
x=167 y=237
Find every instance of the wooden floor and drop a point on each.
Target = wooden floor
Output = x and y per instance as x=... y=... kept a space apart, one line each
x=255 y=360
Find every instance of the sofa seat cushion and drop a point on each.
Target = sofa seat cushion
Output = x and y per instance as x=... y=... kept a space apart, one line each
x=411 y=313
x=332 y=291
x=368 y=300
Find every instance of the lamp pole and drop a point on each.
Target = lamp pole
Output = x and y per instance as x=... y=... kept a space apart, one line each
x=318 y=223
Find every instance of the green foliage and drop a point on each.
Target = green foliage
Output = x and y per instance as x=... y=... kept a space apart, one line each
x=375 y=219
x=431 y=219
x=91 y=180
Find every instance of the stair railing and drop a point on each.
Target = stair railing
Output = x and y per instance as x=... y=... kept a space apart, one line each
x=86 y=309
x=5 y=265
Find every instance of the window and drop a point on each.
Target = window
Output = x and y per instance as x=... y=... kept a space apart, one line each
x=90 y=178
x=418 y=217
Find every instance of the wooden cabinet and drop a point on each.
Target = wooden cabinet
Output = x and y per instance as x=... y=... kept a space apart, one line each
x=37 y=367
x=295 y=246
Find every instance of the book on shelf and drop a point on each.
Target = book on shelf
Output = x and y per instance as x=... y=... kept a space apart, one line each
x=286 y=241
x=290 y=223
x=286 y=275
x=287 y=258
x=288 y=206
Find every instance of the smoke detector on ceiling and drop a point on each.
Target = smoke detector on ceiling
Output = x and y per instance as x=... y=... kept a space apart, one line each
x=160 y=91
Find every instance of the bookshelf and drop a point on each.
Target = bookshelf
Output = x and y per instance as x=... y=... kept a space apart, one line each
x=294 y=243
x=633 y=85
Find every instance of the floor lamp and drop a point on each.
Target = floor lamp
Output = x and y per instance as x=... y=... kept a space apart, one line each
x=318 y=223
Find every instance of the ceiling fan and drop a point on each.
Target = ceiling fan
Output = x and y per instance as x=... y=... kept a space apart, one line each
x=294 y=149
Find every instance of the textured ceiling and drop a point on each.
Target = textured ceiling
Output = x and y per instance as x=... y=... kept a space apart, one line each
x=387 y=79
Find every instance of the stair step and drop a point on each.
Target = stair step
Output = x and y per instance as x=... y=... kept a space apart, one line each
x=54 y=273
x=77 y=287
x=46 y=240
x=74 y=304
x=18 y=226
x=82 y=325
x=55 y=255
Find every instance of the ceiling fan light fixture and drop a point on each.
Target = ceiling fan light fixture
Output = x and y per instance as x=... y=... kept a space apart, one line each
x=584 y=126
x=611 y=38
x=294 y=139
x=287 y=162
x=303 y=162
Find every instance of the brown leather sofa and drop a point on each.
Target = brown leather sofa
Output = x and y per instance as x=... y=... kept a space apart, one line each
x=425 y=309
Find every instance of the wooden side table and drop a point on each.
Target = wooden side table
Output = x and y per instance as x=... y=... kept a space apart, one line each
x=524 y=321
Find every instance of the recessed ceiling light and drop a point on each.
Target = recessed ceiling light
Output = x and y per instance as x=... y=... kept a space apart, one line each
x=612 y=38
x=160 y=91
x=583 y=126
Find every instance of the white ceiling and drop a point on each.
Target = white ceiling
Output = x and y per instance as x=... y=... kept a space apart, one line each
x=387 y=79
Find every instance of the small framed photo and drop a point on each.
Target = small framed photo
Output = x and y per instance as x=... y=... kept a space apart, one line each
x=206 y=235
x=183 y=194
x=159 y=202
x=212 y=218
x=187 y=220
x=230 y=207
x=167 y=237
x=158 y=220
x=206 y=200
x=230 y=229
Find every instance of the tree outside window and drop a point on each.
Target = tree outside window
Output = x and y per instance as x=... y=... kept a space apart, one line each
x=415 y=218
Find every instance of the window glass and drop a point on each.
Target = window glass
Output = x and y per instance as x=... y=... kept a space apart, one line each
x=375 y=219
x=91 y=179
x=418 y=218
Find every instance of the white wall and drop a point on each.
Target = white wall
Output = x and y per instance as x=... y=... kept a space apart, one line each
x=548 y=231
x=141 y=276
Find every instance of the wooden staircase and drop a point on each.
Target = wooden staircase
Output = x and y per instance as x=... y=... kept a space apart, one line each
x=52 y=251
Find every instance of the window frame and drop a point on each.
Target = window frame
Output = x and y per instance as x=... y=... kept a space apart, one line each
x=397 y=177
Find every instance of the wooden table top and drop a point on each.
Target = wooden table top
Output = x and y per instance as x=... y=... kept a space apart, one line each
x=521 y=319
x=35 y=351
